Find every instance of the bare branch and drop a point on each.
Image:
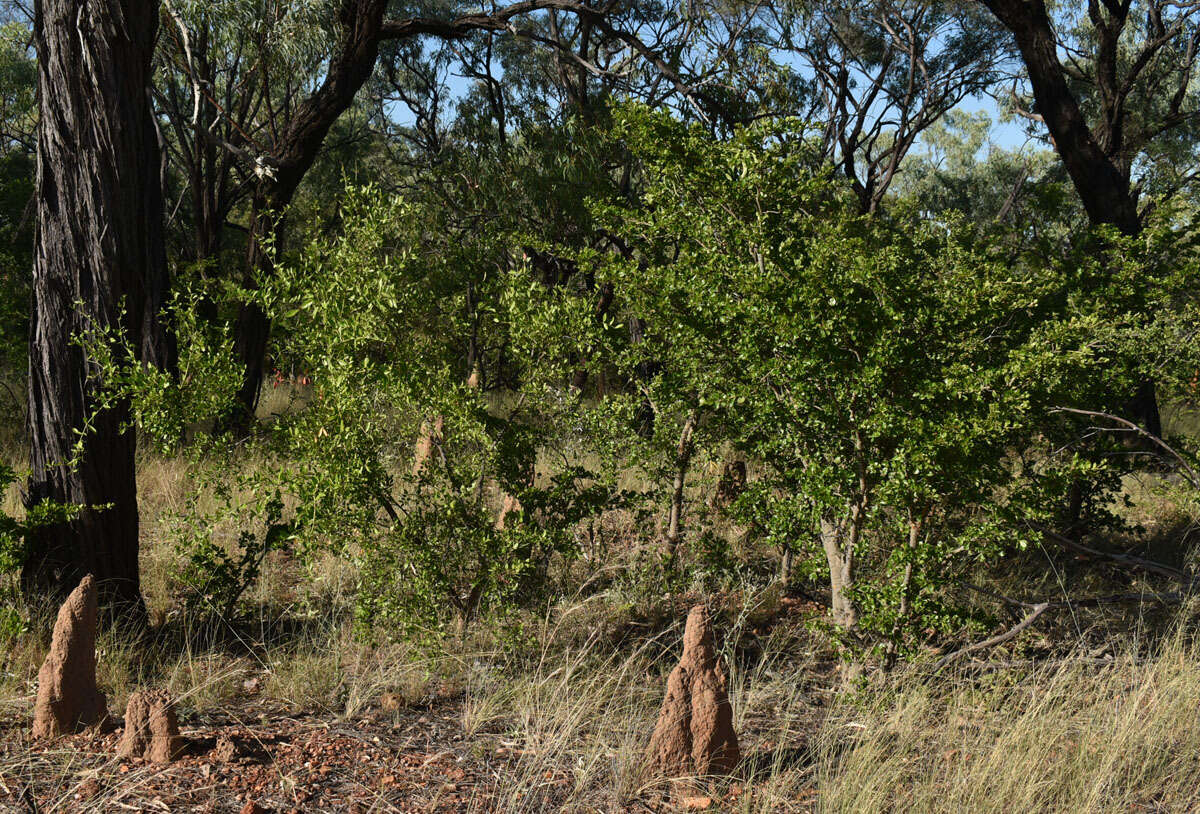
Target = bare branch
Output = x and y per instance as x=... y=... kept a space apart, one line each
x=1190 y=473
x=1124 y=559
x=1000 y=638
x=1036 y=609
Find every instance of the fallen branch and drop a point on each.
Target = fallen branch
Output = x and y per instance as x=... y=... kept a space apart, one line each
x=1082 y=661
x=1000 y=638
x=1125 y=559
x=1036 y=609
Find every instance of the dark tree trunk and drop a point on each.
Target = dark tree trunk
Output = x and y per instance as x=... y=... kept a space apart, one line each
x=1093 y=156
x=99 y=264
x=1102 y=183
x=252 y=331
x=361 y=28
x=361 y=24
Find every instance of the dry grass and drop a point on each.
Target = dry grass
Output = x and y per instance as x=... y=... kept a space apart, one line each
x=1067 y=737
x=1072 y=736
x=575 y=705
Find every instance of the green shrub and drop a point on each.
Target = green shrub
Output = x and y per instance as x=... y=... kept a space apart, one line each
x=894 y=376
x=467 y=524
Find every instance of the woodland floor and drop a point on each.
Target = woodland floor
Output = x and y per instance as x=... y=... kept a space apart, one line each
x=405 y=760
x=1092 y=709
x=1091 y=729
x=412 y=760
x=261 y=755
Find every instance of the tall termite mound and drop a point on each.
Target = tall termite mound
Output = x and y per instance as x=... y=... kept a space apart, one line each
x=151 y=729
x=694 y=735
x=68 y=699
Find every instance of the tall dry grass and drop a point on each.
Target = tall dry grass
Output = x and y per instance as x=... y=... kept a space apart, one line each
x=572 y=709
x=1072 y=737
x=1075 y=735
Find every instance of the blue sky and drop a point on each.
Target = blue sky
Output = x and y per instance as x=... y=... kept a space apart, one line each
x=1008 y=135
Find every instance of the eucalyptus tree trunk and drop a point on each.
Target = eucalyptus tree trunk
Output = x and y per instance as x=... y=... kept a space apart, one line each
x=360 y=29
x=1098 y=156
x=252 y=331
x=99 y=266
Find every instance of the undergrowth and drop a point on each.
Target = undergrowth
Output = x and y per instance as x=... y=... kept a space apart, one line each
x=1093 y=712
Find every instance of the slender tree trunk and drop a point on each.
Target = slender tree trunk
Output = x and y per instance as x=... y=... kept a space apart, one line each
x=209 y=218
x=160 y=344
x=99 y=265
x=893 y=646
x=683 y=461
x=840 y=540
x=251 y=334
x=839 y=553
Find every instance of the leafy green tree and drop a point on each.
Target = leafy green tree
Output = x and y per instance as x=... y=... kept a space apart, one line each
x=870 y=77
x=380 y=315
x=1021 y=192
x=1113 y=85
x=18 y=116
x=892 y=375
x=293 y=113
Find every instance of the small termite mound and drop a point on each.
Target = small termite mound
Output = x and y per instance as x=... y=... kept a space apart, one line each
x=151 y=729
x=694 y=735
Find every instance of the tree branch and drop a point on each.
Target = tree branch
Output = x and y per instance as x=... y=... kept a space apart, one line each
x=500 y=20
x=1189 y=472
x=1000 y=638
x=1036 y=609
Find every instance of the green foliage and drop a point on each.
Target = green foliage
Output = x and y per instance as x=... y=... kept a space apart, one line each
x=387 y=329
x=166 y=408
x=568 y=294
x=1017 y=196
x=450 y=552
x=167 y=404
x=16 y=256
x=18 y=115
x=490 y=354
x=12 y=538
x=895 y=375
x=216 y=573
x=14 y=532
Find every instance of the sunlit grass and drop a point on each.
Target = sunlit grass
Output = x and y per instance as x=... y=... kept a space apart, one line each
x=572 y=696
